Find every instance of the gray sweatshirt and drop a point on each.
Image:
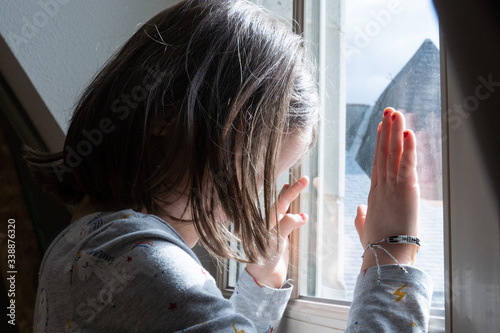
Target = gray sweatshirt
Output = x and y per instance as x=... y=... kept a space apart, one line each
x=131 y=272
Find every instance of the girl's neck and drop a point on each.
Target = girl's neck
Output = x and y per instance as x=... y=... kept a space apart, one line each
x=88 y=206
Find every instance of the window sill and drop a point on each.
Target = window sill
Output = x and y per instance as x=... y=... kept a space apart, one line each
x=320 y=317
x=331 y=316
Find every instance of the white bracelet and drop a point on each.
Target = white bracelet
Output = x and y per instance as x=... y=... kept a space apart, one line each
x=395 y=239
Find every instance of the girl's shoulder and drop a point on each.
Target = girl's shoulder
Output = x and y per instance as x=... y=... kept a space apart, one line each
x=101 y=255
x=105 y=240
x=119 y=226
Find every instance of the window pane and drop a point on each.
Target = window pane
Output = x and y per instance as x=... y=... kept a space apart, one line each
x=388 y=57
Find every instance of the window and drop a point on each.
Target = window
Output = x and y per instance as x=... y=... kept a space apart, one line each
x=370 y=54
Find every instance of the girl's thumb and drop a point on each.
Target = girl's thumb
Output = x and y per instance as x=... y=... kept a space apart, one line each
x=359 y=222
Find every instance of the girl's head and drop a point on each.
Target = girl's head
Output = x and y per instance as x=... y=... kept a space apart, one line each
x=198 y=104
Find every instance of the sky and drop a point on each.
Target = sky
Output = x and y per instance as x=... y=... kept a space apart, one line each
x=381 y=36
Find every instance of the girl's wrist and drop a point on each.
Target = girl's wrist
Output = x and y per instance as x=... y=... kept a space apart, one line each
x=275 y=281
x=404 y=253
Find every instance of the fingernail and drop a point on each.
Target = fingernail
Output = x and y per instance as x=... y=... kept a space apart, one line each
x=393 y=116
x=405 y=134
x=386 y=112
x=303 y=217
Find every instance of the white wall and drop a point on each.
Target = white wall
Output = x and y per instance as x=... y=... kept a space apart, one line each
x=58 y=46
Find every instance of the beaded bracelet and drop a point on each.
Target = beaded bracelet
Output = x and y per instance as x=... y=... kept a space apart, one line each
x=403 y=239
x=395 y=239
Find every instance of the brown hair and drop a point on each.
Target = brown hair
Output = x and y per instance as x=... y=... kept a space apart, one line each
x=167 y=113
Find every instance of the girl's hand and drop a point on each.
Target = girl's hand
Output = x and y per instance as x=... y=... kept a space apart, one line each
x=394 y=193
x=273 y=272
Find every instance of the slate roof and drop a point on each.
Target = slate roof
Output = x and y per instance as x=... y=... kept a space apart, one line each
x=353 y=121
x=416 y=92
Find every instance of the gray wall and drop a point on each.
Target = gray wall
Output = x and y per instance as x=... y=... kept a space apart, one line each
x=52 y=48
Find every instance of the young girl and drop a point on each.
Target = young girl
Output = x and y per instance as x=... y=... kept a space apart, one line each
x=170 y=145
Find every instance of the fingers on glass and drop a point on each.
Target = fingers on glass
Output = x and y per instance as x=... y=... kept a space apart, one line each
x=383 y=145
x=407 y=173
x=374 y=177
x=395 y=147
x=290 y=222
x=290 y=193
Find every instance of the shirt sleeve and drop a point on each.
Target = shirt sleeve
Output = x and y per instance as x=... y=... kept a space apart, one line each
x=399 y=303
x=263 y=305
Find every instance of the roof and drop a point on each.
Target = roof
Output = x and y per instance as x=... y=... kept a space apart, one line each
x=415 y=90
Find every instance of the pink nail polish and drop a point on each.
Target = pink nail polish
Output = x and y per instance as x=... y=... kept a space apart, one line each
x=405 y=134
x=393 y=116
x=386 y=112
x=303 y=217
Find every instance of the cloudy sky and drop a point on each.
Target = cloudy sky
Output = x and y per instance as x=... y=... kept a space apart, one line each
x=381 y=36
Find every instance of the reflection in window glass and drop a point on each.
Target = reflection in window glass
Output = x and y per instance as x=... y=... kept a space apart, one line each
x=390 y=58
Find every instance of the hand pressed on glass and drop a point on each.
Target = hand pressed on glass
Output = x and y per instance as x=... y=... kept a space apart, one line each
x=394 y=193
x=272 y=273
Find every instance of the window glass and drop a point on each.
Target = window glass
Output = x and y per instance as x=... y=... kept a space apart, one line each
x=370 y=54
